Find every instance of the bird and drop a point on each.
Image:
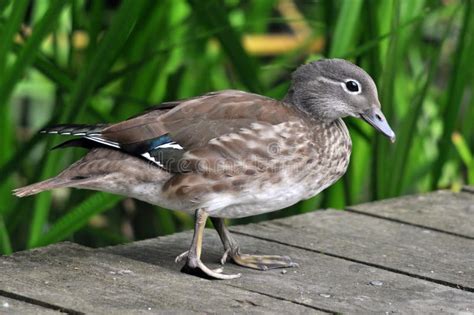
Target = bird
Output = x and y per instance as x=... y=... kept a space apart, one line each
x=228 y=154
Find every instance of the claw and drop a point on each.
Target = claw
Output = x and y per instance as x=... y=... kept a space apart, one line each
x=225 y=256
x=180 y=257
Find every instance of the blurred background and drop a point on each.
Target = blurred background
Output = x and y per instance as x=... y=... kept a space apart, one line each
x=103 y=61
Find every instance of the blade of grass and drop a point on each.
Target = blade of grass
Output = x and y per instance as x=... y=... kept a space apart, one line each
x=94 y=25
x=360 y=50
x=462 y=148
x=144 y=60
x=49 y=69
x=24 y=58
x=462 y=67
x=5 y=243
x=4 y=4
x=373 y=65
x=78 y=217
x=7 y=168
x=107 y=52
x=466 y=155
x=382 y=156
x=8 y=30
x=141 y=85
x=346 y=28
x=53 y=72
x=29 y=51
x=407 y=132
x=12 y=25
x=212 y=15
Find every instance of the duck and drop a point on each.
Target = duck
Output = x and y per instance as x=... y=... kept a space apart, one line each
x=228 y=154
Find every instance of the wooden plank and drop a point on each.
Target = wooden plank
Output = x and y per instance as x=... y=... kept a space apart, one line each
x=324 y=282
x=13 y=306
x=89 y=281
x=469 y=189
x=441 y=210
x=395 y=246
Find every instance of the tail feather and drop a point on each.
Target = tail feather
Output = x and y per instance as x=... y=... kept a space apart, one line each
x=52 y=183
x=41 y=186
x=75 y=129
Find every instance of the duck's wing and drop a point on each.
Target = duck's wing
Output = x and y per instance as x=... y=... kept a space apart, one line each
x=192 y=124
x=164 y=136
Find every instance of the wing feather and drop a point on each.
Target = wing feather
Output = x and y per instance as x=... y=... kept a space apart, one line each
x=163 y=135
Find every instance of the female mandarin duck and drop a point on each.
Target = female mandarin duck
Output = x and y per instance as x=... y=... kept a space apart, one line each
x=228 y=154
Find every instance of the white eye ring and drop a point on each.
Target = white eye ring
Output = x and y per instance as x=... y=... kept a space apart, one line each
x=346 y=85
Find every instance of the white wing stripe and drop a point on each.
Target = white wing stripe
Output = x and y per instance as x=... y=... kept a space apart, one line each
x=103 y=141
x=147 y=156
x=169 y=145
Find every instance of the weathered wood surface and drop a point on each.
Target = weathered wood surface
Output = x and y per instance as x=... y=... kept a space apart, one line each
x=371 y=259
x=372 y=241
x=8 y=305
x=442 y=211
x=82 y=280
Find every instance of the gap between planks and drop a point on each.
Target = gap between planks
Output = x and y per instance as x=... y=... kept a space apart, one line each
x=324 y=310
x=66 y=310
x=349 y=209
x=466 y=189
x=366 y=263
x=36 y=302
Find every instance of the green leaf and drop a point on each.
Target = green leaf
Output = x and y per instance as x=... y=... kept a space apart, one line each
x=213 y=16
x=107 y=52
x=78 y=217
x=462 y=148
x=461 y=72
x=28 y=53
x=12 y=25
x=347 y=25
x=407 y=132
x=5 y=243
x=14 y=73
x=387 y=98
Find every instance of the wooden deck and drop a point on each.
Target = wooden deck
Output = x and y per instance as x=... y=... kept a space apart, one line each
x=406 y=255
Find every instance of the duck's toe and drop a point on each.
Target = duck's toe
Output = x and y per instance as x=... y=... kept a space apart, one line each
x=263 y=262
x=197 y=268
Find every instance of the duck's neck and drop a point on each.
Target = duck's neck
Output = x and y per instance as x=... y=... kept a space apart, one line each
x=291 y=99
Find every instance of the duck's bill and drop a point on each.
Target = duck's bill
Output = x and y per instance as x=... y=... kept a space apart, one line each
x=375 y=118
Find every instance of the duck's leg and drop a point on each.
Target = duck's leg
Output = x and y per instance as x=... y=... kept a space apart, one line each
x=194 y=264
x=232 y=250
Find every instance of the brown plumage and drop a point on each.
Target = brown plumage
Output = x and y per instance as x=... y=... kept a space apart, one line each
x=229 y=154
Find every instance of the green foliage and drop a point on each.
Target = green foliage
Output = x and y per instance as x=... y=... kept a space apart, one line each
x=95 y=61
x=465 y=154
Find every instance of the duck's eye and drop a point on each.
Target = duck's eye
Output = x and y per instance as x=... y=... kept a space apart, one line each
x=352 y=86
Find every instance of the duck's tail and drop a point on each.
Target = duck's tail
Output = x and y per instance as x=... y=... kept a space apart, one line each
x=75 y=130
x=41 y=186
x=60 y=181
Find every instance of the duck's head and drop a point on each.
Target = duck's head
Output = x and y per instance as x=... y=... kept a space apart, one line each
x=329 y=89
